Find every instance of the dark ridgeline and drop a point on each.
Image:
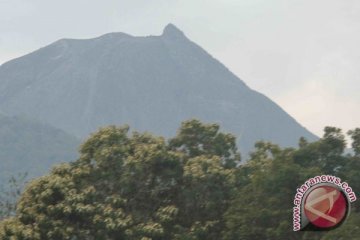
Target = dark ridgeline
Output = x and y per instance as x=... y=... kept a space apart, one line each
x=151 y=83
x=27 y=146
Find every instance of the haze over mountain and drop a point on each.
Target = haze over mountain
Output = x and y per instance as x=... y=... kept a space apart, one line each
x=27 y=146
x=151 y=83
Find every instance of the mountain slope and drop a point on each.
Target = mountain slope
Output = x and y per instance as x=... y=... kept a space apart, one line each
x=152 y=83
x=28 y=146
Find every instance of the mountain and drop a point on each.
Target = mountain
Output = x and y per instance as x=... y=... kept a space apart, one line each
x=151 y=83
x=32 y=147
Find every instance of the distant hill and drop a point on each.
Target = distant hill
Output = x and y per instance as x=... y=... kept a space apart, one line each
x=29 y=146
x=152 y=83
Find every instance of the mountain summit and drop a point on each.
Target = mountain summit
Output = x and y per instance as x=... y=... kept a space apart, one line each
x=151 y=83
x=173 y=32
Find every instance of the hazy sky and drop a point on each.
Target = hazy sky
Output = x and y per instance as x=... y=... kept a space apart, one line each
x=303 y=54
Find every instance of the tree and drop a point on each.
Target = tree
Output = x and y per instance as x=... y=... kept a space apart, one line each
x=10 y=194
x=327 y=153
x=195 y=139
x=355 y=136
x=141 y=187
x=262 y=208
x=132 y=187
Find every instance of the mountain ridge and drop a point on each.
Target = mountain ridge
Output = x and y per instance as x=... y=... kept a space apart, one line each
x=151 y=83
x=27 y=146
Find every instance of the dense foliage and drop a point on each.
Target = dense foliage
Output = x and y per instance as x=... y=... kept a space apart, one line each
x=192 y=187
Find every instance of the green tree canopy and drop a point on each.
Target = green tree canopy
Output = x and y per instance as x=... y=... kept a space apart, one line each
x=263 y=206
x=141 y=187
x=133 y=187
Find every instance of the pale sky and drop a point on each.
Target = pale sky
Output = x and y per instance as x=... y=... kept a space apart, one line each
x=303 y=54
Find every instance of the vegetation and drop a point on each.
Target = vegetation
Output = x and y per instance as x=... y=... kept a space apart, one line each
x=191 y=187
x=9 y=195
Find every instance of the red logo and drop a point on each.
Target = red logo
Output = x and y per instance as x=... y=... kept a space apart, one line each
x=326 y=207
